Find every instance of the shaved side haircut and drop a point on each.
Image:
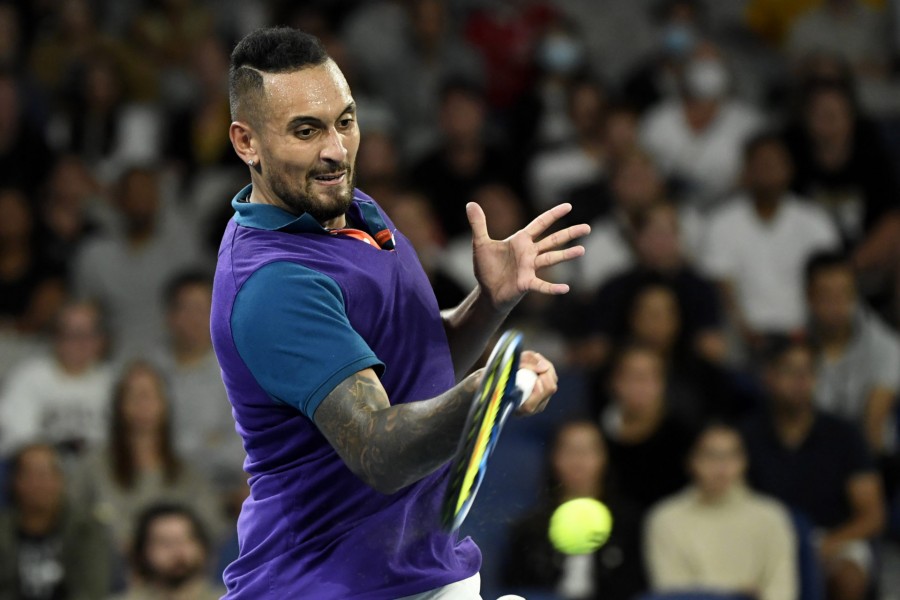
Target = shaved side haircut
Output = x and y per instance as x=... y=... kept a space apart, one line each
x=271 y=50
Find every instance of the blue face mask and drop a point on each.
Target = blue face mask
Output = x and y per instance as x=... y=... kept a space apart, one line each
x=678 y=40
x=560 y=54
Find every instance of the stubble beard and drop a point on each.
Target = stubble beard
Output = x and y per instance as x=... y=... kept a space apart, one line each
x=301 y=199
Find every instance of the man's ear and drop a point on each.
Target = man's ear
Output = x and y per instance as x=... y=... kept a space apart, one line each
x=243 y=140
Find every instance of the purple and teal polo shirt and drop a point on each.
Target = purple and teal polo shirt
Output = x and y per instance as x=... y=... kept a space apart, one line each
x=296 y=310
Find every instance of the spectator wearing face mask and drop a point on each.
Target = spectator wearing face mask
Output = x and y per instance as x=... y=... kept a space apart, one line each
x=697 y=138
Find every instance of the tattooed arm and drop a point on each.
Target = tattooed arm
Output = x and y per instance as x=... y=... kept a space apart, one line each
x=390 y=447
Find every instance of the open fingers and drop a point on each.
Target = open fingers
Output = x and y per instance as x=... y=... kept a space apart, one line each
x=563 y=237
x=546 y=219
x=548 y=259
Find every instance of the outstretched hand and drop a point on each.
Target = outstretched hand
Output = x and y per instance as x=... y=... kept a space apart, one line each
x=507 y=269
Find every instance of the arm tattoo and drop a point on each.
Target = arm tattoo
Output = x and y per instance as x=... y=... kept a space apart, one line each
x=390 y=447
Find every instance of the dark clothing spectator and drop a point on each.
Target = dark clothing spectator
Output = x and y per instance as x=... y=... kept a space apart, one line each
x=649 y=470
x=617 y=569
x=813 y=476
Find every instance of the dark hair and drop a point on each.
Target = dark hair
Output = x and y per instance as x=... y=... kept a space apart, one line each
x=715 y=425
x=820 y=85
x=552 y=489
x=182 y=280
x=14 y=464
x=120 y=450
x=271 y=50
x=148 y=518
x=760 y=140
x=826 y=260
x=465 y=86
x=777 y=346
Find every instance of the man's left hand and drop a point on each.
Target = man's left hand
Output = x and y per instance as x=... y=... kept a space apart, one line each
x=507 y=269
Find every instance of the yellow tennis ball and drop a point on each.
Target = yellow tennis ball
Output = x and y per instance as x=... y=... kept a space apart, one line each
x=580 y=526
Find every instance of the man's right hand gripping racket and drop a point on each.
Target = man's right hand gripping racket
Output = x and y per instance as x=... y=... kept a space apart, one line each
x=503 y=389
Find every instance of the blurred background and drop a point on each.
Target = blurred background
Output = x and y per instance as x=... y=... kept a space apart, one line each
x=737 y=160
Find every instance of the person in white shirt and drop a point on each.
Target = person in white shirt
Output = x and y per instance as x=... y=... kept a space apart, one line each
x=62 y=396
x=758 y=244
x=697 y=138
x=858 y=362
x=717 y=535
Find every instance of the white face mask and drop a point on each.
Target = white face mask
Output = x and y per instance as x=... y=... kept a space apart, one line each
x=706 y=79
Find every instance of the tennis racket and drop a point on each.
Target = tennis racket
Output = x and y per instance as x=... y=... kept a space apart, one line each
x=503 y=389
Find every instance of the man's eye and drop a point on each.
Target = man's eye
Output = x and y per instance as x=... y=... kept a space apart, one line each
x=306 y=132
x=346 y=122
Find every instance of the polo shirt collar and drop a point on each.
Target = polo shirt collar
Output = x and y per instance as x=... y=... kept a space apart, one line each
x=270 y=218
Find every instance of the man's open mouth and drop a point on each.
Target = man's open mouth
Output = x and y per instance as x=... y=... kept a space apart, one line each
x=330 y=178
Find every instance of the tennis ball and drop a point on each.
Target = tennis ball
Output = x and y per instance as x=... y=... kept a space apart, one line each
x=580 y=526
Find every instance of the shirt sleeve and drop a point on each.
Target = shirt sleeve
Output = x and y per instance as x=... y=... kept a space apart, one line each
x=291 y=329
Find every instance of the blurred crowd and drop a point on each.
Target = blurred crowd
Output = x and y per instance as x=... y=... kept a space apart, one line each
x=732 y=326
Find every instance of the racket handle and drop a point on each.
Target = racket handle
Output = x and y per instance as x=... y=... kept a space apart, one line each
x=525 y=380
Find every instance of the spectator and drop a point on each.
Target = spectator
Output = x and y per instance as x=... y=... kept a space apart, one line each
x=658 y=77
x=170 y=556
x=846 y=28
x=126 y=272
x=858 y=367
x=818 y=465
x=140 y=465
x=843 y=165
x=31 y=284
x=647 y=443
x=465 y=158
x=578 y=467
x=61 y=397
x=697 y=138
x=661 y=259
x=758 y=244
x=49 y=548
x=24 y=155
x=581 y=158
x=410 y=71
x=202 y=426
x=68 y=205
x=102 y=125
x=717 y=535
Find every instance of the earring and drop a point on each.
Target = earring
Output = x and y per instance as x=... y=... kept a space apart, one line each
x=251 y=162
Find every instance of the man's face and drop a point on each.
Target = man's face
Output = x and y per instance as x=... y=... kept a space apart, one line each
x=79 y=340
x=174 y=555
x=718 y=463
x=791 y=380
x=188 y=317
x=768 y=170
x=832 y=299
x=38 y=483
x=307 y=140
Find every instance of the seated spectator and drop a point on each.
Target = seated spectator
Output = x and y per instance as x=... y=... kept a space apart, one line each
x=202 y=426
x=170 y=555
x=140 y=465
x=463 y=160
x=647 y=443
x=758 y=244
x=661 y=259
x=847 y=28
x=31 y=283
x=858 y=368
x=817 y=465
x=717 y=535
x=578 y=467
x=581 y=157
x=62 y=396
x=126 y=271
x=68 y=205
x=697 y=138
x=844 y=166
x=49 y=547
x=657 y=77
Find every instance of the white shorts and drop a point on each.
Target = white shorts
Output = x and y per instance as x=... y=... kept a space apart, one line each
x=467 y=589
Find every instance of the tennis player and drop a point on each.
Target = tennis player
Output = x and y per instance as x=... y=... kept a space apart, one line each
x=347 y=383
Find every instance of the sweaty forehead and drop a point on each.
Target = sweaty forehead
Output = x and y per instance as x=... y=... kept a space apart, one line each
x=320 y=91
